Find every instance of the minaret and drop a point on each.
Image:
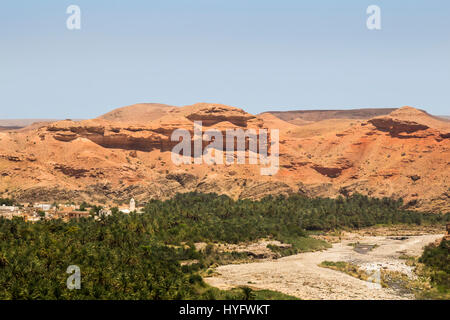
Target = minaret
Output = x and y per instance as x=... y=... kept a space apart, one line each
x=132 y=205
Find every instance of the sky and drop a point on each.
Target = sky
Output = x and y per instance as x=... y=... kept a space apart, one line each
x=258 y=55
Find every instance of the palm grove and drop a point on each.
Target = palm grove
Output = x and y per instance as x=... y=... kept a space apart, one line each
x=137 y=256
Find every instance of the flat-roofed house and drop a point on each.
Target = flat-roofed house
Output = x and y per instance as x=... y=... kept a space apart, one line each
x=43 y=206
x=9 y=212
x=78 y=214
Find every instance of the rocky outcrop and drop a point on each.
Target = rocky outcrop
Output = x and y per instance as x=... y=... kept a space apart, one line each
x=70 y=171
x=186 y=180
x=211 y=114
x=65 y=136
x=258 y=190
x=112 y=136
x=335 y=170
x=315 y=189
x=395 y=127
x=12 y=158
x=156 y=136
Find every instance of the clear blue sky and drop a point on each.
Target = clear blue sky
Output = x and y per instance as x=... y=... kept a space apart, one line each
x=255 y=54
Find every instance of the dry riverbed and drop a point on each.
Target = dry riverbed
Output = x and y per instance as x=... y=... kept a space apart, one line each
x=301 y=276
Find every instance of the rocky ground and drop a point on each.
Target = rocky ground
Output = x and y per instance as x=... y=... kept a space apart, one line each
x=301 y=276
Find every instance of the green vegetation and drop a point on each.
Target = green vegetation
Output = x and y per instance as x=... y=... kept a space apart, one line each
x=436 y=260
x=208 y=217
x=83 y=206
x=346 y=267
x=137 y=256
x=300 y=244
x=242 y=293
x=272 y=295
x=6 y=202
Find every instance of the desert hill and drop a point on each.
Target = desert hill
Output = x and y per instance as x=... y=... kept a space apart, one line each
x=22 y=122
x=19 y=124
x=140 y=112
x=301 y=117
x=127 y=153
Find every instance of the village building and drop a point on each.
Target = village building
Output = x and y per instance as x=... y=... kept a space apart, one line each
x=43 y=206
x=131 y=207
x=31 y=217
x=9 y=212
x=5 y=208
x=78 y=214
x=104 y=212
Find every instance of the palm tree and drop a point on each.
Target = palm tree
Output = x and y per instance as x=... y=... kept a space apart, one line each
x=248 y=293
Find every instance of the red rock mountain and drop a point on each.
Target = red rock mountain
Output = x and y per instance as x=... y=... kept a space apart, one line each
x=127 y=153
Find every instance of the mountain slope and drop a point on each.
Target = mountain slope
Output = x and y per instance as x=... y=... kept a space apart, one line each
x=127 y=153
x=301 y=117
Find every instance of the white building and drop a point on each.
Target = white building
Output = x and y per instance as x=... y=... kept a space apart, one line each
x=130 y=208
x=9 y=212
x=104 y=212
x=5 y=208
x=43 y=206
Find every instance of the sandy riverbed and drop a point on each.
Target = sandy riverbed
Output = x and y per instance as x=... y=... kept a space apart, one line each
x=299 y=275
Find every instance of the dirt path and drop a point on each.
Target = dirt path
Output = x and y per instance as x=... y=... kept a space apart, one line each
x=299 y=275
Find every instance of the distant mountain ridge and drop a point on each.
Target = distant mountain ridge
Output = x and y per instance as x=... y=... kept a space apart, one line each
x=318 y=115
